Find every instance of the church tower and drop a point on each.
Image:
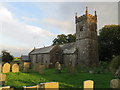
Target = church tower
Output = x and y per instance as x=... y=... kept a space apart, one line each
x=86 y=39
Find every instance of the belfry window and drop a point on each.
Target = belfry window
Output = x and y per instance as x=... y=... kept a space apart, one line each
x=81 y=28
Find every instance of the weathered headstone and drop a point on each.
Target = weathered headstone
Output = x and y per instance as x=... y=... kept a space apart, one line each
x=6 y=68
x=115 y=83
x=26 y=66
x=42 y=69
x=15 y=68
x=49 y=86
x=2 y=79
x=71 y=68
x=57 y=67
x=88 y=85
x=36 y=67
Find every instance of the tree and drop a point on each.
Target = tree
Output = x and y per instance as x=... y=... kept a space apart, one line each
x=63 y=39
x=109 y=42
x=6 y=57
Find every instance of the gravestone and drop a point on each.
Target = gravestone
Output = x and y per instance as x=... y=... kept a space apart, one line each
x=2 y=79
x=15 y=68
x=26 y=66
x=49 y=86
x=115 y=83
x=6 y=68
x=36 y=67
x=57 y=67
x=42 y=69
x=71 y=68
x=88 y=85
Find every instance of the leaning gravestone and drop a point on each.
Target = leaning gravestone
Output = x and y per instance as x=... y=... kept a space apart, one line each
x=42 y=69
x=2 y=79
x=88 y=85
x=15 y=68
x=6 y=68
x=115 y=83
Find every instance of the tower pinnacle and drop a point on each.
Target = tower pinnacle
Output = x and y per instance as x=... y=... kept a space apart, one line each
x=86 y=10
x=95 y=13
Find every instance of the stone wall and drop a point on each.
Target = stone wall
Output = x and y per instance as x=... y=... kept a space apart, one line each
x=69 y=58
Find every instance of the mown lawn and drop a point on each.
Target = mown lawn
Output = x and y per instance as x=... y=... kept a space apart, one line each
x=65 y=79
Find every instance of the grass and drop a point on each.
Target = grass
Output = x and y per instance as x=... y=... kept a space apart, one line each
x=16 y=58
x=65 y=79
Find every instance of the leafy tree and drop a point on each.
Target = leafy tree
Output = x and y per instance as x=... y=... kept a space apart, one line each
x=6 y=57
x=109 y=42
x=62 y=39
x=71 y=38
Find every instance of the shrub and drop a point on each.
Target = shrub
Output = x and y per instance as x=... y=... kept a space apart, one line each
x=115 y=63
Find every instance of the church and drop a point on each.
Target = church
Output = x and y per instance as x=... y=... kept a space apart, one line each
x=83 y=52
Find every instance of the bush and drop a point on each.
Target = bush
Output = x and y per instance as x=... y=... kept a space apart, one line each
x=115 y=63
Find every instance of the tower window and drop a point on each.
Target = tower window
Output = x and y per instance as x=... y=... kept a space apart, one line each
x=81 y=28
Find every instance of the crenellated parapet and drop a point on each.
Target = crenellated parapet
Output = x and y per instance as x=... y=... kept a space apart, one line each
x=86 y=17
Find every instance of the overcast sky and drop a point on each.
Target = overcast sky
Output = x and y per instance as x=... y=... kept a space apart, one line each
x=25 y=25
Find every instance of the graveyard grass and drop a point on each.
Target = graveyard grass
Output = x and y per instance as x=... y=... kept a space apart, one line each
x=65 y=79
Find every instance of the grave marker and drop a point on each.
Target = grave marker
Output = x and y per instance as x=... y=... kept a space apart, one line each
x=115 y=83
x=57 y=67
x=88 y=85
x=26 y=66
x=6 y=68
x=15 y=68
x=2 y=79
x=42 y=69
x=49 y=86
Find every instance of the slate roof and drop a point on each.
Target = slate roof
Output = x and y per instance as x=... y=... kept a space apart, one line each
x=68 y=48
x=24 y=57
x=42 y=50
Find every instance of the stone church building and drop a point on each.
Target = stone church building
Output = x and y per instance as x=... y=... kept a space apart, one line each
x=83 y=52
